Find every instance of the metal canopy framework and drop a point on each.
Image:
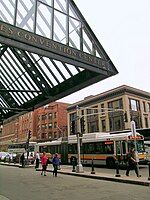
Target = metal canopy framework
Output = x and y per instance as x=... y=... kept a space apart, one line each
x=47 y=51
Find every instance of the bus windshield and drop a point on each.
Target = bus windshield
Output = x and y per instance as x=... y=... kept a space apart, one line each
x=139 y=145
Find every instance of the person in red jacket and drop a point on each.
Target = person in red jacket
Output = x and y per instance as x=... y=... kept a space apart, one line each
x=44 y=163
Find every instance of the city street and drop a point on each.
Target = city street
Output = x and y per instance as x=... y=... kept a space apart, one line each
x=27 y=184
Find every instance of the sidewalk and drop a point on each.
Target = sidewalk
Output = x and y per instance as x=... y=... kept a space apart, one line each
x=67 y=170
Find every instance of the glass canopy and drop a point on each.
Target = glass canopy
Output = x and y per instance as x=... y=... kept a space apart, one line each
x=47 y=51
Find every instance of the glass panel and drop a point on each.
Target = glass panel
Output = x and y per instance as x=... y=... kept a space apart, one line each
x=74 y=33
x=72 y=12
x=25 y=14
x=60 y=5
x=63 y=69
x=7 y=11
x=48 y=2
x=43 y=19
x=87 y=45
x=60 y=27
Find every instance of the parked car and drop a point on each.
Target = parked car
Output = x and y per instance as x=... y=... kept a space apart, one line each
x=3 y=155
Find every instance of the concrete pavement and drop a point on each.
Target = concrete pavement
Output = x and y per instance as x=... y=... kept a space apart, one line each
x=101 y=174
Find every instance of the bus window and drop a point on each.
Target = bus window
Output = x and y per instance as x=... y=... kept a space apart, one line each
x=43 y=149
x=72 y=148
x=140 y=146
x=89 y=148
x=99 y=148
x=118 y=147
x=109 y=149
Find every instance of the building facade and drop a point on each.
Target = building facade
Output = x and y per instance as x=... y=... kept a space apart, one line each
x=51 y=121
x=45 y=123
x=111 y=111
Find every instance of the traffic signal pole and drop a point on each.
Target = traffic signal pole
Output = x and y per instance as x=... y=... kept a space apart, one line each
x=27 y=144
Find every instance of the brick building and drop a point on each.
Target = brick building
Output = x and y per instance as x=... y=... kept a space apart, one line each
x=45 y=123
x=51 y=121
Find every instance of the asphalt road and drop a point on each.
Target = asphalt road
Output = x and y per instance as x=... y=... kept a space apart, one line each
x=28 y=184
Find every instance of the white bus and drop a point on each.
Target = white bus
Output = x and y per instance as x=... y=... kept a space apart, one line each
x=16 y=149
x=102 y=148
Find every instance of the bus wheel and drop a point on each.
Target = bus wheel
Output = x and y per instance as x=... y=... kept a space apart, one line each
x=110 y=163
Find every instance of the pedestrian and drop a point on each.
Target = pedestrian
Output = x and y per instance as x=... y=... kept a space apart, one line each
x=132 y=163
x=37 y=160
x=44 y=163
x=22 y=159
x=56 y=163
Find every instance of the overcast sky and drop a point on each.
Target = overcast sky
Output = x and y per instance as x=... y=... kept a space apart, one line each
x=123 y=29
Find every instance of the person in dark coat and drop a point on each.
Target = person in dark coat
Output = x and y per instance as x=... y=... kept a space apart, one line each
x=132 y=164
x=56 y=163
x=22 y=159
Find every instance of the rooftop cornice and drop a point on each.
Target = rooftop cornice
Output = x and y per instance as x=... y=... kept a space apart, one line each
x=123 y=89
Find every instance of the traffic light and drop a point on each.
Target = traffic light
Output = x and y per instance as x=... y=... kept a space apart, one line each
x=29 y=134
x=82 y=123
x=73 y=127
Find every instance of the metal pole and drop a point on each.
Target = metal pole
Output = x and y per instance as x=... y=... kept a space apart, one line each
x=79 y=167
x=133 y=129
x=149 y=170
x=92 y=172
x=73 y=164
x=117 y=169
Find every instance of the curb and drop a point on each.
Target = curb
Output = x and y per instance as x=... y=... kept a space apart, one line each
x=17 y=165
x=136 y=182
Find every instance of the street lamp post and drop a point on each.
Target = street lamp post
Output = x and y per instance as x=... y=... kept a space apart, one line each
x=79 y=168
x=133 y=129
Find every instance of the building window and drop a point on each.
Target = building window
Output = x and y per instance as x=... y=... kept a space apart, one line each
x=43 y=126
x=55 y=135
x=92 y=119
x=102 y=110
x=148 y=107
x=116 y=123
x=144 y=106
x=43 y=136
x=50 y=135
x=55 y=114
x=117 y=104
x=146 y=122
x=50 y=125
x=43 y=117
x=93 y=127
x=73 y=116
x=103 y=125
x=55 y=124
x=50 y=116
x=134 y=105
x=82 y=112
